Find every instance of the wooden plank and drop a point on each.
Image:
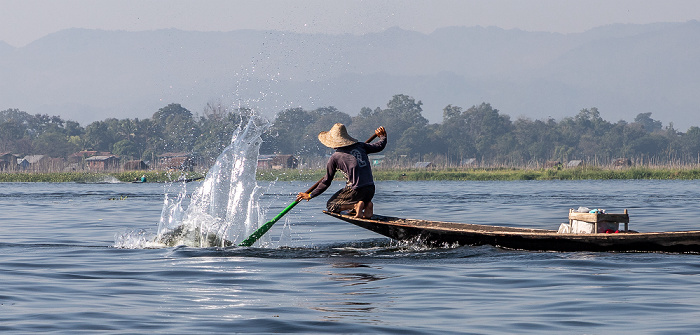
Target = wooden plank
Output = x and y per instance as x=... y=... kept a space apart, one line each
x=596 y=218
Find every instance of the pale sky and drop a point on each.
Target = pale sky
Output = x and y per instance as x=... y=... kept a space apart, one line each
x=23 y=21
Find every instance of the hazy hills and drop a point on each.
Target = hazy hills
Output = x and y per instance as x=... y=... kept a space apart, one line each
x=624 y=70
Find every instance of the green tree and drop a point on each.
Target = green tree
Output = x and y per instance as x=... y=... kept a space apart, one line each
x=11 y=131
x=584 y=132
x=73 y=128
x=485 y=125
x=217 y=130
x=126 y=149
x=54 y=144
x=650 y=125
x=16 y=115
x=367 y=121
x=453 y=131
x=690 y=143
x=99 y=136
x=651 y=145
x=402 y=113
x=420 y=140
x=536 y=140
x=631 y=137
x=287 y=132
x=14 y=131
x=176 y=127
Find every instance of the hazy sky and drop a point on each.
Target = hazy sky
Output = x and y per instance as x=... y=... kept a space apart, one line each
x=23 y=21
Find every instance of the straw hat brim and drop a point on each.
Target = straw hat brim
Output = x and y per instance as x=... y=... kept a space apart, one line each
x=337 y=137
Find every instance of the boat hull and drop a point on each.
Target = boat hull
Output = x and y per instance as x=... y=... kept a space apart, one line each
x=438 y=233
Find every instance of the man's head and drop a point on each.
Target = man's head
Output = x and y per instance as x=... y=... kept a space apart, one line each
x=337 y=137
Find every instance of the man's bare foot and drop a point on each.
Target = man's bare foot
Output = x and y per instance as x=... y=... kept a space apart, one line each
x=360 y=209
x=369 y=210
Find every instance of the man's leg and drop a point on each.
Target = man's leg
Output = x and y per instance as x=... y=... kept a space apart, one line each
x=341 y=201
x=369 y=210
x=345 y=207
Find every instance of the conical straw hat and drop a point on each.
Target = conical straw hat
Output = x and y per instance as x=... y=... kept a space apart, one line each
x=337 y=137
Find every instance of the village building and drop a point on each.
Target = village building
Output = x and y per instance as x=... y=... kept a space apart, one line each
x=376 y=160
x=622 y=162
x=135 y=165
x=574 y=163
x=102 y=163
x=176 y=161
x=284 y=162
x=79 y=156
x=8 y=161
x=22 y=164
x=33 y=162
x=468 y=162
x=54 y=164
x=277 y=162
x=423 y=165
x=265 y=161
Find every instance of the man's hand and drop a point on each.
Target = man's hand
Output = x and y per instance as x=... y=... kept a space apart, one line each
x=381 y=132
x=303 y=196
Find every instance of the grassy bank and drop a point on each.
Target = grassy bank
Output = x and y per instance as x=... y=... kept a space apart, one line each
x=379 y=174
x=499 y=174
x=93 y=177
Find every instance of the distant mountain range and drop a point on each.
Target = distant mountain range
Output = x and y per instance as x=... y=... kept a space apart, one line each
x=623 y=70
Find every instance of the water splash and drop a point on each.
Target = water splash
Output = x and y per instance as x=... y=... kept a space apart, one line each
x=224 y=210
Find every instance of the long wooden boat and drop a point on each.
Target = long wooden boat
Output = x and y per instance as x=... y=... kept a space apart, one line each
x=438 y=233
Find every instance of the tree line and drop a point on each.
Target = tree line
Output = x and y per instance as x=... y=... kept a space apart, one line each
x=480 y=133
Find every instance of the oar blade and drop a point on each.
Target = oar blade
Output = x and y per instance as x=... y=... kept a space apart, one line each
x=264 y=228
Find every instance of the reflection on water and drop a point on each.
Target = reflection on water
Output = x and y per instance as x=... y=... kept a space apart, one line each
x=357 y=278
x=358 y=297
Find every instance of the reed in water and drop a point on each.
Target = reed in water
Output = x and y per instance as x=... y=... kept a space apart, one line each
x=96 y=177
x=585 y=173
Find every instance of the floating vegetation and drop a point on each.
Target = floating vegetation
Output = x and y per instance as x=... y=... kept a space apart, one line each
x=290 y=174
x=482 y=174
x=52 y=177
x=95 y=177
x=500 y=174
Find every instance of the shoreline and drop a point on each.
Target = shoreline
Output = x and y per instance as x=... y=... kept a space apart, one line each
x=96 y=177
x=450 y=174
x=501 y=174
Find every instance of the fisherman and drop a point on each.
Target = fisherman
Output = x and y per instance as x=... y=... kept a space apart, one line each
x=143 y=178
x=350 y=157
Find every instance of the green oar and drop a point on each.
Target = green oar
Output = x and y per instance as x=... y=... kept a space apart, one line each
x=264 y=228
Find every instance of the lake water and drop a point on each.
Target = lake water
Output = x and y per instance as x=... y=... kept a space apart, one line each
x=61 y=272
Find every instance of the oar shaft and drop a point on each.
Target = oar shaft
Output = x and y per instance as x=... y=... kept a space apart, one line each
x=314 y=186
x=371 y=138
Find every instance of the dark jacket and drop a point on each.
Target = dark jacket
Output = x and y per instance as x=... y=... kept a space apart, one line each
x=353 y=162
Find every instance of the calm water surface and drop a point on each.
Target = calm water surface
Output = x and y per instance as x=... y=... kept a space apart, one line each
x=61 y=272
